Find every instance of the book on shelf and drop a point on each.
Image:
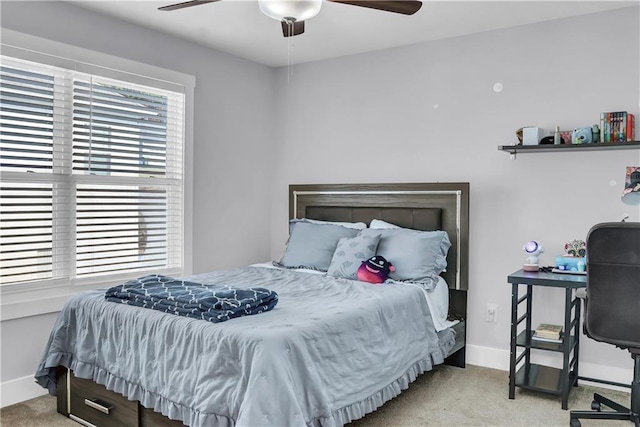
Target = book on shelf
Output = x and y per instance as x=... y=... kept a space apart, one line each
x=617 y=126
x=548 y=331
x=549 y=340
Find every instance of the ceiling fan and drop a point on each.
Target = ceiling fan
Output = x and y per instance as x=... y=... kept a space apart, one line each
x=293 y=13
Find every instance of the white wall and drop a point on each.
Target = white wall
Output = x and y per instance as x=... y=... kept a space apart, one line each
x=232 y=149
x=373 y=118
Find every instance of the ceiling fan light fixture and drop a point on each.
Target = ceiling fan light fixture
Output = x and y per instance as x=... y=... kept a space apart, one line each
x=290 y=10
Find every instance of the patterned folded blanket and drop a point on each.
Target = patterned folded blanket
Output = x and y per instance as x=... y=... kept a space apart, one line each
x=215 y=303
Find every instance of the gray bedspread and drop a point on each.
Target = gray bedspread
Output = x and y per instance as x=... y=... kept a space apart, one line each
x=331 y=351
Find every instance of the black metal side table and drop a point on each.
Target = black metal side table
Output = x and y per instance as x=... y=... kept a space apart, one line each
x=535 y=376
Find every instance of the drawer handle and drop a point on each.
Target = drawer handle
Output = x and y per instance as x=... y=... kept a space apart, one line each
x=98 y=405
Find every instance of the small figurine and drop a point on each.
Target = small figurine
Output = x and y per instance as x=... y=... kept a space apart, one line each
x=375 y=270
x=533 y=249
x=575 y=248
x=573 y=260
x=595 y=133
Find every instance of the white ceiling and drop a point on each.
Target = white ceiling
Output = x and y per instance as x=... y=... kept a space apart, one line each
x=238 y=27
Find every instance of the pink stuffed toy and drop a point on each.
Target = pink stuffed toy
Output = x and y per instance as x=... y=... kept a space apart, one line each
x=375 y=270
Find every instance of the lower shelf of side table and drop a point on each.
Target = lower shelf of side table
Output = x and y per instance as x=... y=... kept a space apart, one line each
x=542 y=378
x=525 y=339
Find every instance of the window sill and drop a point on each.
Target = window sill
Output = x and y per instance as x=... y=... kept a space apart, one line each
x=34 y=307
x=34 y=299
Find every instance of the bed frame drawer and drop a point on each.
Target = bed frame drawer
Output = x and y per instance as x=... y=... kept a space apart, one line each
x=93 y=405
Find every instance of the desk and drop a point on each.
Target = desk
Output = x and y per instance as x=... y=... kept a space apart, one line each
x=534 y=376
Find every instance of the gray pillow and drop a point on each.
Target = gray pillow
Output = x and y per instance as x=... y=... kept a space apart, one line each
x=418 y=256
x=350 y=253
x=312 y=245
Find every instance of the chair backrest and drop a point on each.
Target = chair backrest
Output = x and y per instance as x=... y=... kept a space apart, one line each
x=613 y=284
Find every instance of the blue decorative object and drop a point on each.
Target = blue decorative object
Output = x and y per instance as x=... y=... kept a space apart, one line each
x=570 y=263
x=582 y=136
x=574 y=258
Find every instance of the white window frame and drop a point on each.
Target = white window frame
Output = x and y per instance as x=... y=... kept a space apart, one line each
x=30 y=299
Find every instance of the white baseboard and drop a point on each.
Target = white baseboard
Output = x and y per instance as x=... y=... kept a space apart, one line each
x=19 y=390
x=607 y=373
x=499 y=359
x=488 y=357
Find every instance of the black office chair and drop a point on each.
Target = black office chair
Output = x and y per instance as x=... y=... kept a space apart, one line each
x=612 y=312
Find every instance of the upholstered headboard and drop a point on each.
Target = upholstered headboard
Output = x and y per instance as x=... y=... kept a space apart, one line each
x=421 y=206
x=425 y=219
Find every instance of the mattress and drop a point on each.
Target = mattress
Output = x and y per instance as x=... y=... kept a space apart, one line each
x=331 y=351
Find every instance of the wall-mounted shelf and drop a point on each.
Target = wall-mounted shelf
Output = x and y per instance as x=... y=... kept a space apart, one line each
x=545 y=148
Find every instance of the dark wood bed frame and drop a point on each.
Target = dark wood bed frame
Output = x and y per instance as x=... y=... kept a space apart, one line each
x=422 y=206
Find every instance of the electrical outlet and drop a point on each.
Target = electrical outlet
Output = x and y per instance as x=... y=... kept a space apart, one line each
x=492 y=313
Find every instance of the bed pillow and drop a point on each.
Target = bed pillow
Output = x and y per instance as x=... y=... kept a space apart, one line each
x=312 y=245
x=379 y=224
x=356 y=225
x=418 y=256
x=350 y=253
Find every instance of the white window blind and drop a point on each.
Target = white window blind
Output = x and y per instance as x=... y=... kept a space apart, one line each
x=92 y=180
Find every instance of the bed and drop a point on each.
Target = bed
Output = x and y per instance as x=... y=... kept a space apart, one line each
x=331 y=351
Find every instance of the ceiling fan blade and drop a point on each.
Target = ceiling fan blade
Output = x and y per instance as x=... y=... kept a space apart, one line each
x=185 y=4
x=292 y=28
x=405 y=7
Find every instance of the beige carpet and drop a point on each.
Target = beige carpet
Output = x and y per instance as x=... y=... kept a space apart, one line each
x=446 y=396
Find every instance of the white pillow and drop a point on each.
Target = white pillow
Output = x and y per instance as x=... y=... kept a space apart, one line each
x=354 y=225
x=379 y=224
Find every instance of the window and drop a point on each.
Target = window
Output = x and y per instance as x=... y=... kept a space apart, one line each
x=91 y=176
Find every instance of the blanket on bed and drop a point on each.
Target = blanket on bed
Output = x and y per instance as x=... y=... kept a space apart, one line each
x=332 y=351
x=215 y=303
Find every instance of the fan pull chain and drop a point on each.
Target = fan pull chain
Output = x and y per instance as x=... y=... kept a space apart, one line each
x=289 y=52
x=290 y=58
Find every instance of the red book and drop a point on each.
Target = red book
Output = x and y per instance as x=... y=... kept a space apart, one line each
x=631 y=127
